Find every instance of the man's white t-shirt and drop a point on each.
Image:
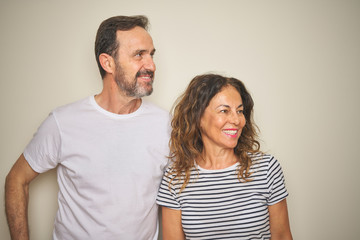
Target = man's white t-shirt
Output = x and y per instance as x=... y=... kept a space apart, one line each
x=109 y=168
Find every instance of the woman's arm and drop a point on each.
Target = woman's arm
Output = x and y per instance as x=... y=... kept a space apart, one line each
x=279 y=221
x=171 y=224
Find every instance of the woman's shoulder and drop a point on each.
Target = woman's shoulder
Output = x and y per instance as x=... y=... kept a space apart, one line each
x=172 y=172
x=170 y=169
x=260 y=158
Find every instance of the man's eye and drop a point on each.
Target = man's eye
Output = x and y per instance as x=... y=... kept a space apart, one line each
x=224 y=110
x=241 y=111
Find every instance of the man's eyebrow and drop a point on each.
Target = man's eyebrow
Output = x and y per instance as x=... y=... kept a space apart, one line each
x=145 y=51
x=140 y=51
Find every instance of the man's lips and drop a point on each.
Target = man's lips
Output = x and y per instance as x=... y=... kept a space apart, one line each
x=146 y=75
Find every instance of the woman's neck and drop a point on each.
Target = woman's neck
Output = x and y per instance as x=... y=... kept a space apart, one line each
x=217 y=159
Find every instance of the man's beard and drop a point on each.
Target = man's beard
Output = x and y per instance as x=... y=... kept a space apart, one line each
x=133 y=89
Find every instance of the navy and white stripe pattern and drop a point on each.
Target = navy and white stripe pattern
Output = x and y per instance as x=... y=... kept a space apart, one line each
x=216 y=205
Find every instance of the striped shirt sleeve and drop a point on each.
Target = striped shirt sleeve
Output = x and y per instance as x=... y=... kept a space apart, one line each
x=275 y=182
x=167 y=196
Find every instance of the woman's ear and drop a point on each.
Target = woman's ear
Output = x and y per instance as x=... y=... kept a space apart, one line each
x=107 y=63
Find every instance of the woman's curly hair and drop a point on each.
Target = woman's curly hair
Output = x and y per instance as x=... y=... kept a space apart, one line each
x=186 y=144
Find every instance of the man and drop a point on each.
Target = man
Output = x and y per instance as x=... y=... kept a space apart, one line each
x=109 y=149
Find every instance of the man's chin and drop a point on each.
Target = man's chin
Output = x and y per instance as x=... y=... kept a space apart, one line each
x=148 y=93
x=144 y=92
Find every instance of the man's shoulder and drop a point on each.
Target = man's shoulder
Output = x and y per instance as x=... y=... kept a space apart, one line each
x=74 y=111
x=150 y=107
x=73 y=106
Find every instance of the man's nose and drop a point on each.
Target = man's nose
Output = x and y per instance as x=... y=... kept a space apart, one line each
x=150 y=64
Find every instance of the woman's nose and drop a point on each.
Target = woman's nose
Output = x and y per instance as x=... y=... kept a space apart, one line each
x=235 y=118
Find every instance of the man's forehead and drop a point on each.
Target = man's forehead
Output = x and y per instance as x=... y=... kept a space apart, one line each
x=133 y=36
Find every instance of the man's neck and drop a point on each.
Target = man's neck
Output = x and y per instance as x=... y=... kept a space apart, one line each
x=118 y=105
x=113 y=100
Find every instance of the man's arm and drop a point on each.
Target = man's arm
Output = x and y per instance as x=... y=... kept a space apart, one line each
x=17 y=198
x=279 y=221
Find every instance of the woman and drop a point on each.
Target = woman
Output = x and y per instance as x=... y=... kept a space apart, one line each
x=219 y=185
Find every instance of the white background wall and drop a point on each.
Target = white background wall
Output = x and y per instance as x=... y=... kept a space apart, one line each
x=299 y=59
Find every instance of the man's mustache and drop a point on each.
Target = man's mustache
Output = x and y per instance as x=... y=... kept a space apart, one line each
x=141 y=73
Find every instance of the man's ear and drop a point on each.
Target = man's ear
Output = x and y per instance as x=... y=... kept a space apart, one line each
x=107 y=62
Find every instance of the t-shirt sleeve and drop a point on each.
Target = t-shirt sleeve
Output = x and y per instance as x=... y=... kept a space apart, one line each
x=43 y=151
x=276 y=183
x=167 y=196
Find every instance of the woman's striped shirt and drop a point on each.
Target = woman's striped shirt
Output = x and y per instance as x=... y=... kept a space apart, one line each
x=216 y=205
